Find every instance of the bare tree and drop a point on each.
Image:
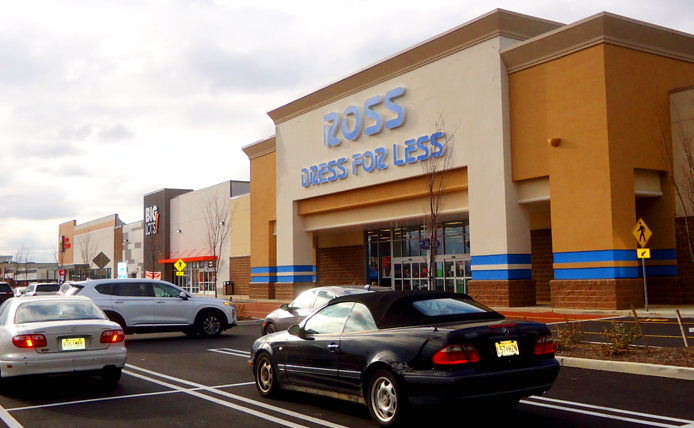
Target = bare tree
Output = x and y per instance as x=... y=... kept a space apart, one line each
x=21 y=261
x=435 y=169
x=87 y=250
x=218 y=215
x=152 y=253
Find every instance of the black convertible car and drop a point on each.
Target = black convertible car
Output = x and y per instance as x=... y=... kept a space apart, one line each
x=393 y=350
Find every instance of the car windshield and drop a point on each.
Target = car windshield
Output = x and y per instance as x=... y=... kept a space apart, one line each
x=73 y=290
x=55 y=310
x=48 y=288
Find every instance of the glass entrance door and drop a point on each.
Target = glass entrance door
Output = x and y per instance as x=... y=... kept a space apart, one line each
x=409 y=273
x=452 y=274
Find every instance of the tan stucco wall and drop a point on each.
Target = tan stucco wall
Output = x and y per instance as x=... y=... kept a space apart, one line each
x=241 y=226
x=607 y=104
x=263 y=206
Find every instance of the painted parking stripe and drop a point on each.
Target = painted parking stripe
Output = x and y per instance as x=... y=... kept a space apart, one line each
x=647 y=419
x=219 y=401
x=260 y=404
x=8 y=419
x=233 y=352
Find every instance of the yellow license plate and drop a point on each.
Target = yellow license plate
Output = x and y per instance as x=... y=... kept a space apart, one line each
x=507 y=348
x=74 y=344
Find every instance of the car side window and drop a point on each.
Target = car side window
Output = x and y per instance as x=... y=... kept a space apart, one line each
x=163 y=290
x=360 y=319
x=329 y=320
x=305 y=300
x=134 y=289
x=323 y=298
x=107 y=289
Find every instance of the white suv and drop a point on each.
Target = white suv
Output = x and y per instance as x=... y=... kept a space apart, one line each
x=146 y=306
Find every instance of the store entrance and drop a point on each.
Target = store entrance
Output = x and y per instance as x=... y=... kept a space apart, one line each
x=452 y=273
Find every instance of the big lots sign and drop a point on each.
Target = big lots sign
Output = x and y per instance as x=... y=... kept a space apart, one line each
x=370 y=120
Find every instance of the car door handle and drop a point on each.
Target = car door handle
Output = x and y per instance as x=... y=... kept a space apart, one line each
x=119 y=301
x=333 y=346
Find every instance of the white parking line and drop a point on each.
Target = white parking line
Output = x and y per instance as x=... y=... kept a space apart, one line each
x=233 y=352
x=8 y=419
x=562 y=405
x=260 y=404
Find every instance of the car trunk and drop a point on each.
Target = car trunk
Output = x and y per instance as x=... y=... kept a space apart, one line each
x=71 y=336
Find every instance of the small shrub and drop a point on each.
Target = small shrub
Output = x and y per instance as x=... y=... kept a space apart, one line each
x=242 y=312
x=620 y=337
x=568 y=335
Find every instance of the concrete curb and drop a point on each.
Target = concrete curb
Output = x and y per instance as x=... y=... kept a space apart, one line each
x=673 y=372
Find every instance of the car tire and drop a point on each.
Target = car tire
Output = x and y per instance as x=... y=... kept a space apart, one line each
x=110 y=376
x=266 y=376
x=270 y=328
x=209 y=324
x=386 y=401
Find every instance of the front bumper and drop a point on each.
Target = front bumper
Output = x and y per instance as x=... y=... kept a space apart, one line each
x=437 y=386
x=62 y=362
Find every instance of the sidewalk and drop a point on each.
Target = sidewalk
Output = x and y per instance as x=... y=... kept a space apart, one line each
x=259 y=308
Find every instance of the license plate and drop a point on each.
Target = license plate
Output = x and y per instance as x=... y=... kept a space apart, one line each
x=74 y=344
x=507 y=348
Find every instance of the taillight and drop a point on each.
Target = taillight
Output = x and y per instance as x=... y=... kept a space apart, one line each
x=544 y=345
x=456 y=354
x=112 y=336
x=30 y=341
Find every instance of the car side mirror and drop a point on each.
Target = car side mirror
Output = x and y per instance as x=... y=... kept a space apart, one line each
x=183 y=295
x=284 y=307
x=295 y=330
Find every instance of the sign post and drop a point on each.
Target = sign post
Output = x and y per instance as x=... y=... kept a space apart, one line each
x=642 y=234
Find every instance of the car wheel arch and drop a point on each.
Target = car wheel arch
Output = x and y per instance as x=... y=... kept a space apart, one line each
x=206 y=310
x=200 y=317
x=117 y=318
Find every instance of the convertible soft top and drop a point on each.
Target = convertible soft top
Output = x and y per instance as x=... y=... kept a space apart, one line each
x=396 y=309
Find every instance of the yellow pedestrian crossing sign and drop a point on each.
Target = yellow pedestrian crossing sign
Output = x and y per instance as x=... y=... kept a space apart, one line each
x=180 y=265
x=642 y=233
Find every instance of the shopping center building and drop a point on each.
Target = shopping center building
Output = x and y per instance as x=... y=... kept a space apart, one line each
x=558 y=139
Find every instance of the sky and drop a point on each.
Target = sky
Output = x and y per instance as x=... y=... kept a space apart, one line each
x=102 y=102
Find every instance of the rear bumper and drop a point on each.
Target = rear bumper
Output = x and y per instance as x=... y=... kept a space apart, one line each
x=63 y=362
x=433 y=387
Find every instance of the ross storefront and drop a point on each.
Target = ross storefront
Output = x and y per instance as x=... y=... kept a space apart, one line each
x=545 y=172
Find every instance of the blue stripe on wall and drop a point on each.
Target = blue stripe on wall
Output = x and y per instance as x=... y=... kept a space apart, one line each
x=264 y=279
x=663 y=255
x=296 y=278
x=667 y=270
x=284 y=269
x=597 y=273
x=501 y=275
x=595 y=256
x=501 y=259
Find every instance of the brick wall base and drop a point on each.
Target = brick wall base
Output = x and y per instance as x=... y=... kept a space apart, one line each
x=508 y=294
x=289 y=290
x=340 y=265
x=261 y=290
x=668 y=291
x=597 y=293
x=240 y=273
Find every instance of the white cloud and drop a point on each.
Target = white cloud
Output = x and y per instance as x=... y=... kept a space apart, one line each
x=104 y=101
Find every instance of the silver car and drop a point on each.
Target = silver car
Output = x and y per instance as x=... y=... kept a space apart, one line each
x=58 y=334
x=307 y=303
x=147 y=306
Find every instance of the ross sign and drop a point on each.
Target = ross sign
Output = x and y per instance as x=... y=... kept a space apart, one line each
x=643 y=253
x=642 y=233
x=180 y=265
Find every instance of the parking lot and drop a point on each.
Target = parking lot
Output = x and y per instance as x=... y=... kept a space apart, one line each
x=173 y=380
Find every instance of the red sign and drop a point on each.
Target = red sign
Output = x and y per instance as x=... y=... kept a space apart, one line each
x=61 y=272
x=153 y=275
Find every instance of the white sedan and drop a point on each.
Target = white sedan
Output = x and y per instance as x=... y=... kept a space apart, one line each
x=59 y=334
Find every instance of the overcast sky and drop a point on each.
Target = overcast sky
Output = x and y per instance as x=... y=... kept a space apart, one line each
x=104 y=101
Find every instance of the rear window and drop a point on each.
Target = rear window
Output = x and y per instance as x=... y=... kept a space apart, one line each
x=48 y=288
x=446 y=306
x=5 y=287
x=57 y=310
